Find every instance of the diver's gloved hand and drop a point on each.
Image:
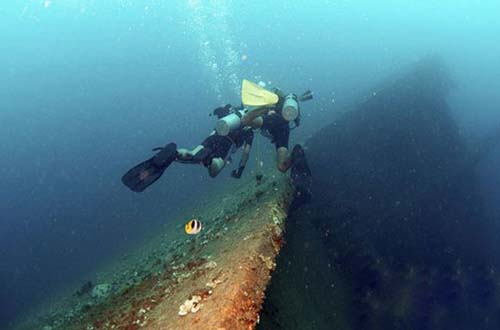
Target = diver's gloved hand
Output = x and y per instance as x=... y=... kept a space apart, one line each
x=237 y=172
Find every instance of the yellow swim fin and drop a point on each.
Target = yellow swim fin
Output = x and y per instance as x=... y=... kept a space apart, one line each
x=256 y=96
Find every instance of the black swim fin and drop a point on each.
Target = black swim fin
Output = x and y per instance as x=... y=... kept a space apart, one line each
x=301 y=177
x=146 y=173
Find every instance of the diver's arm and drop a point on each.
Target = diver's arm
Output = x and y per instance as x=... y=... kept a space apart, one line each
x=243 y=161
x=249 y=117
x=257 y=123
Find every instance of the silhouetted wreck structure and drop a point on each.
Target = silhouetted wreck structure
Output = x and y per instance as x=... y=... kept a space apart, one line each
x=405 y=243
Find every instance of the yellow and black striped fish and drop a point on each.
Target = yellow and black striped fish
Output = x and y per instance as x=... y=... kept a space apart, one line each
x=193 y=227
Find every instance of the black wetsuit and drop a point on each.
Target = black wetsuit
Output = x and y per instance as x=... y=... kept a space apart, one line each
x=221 y=145
x=278 y=128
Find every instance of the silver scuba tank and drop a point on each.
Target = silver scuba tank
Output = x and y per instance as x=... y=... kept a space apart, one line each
x=290 y=110
x=229 y=123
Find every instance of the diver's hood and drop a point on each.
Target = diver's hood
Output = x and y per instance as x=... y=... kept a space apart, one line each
x=221 y=112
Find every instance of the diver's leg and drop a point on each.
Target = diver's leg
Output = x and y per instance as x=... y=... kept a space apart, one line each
x=281 y=136
x=188 y=156
x=283 y=159
x=216 y=166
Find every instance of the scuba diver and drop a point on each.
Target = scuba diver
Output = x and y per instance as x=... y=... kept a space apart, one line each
x=213 y=153
x=276 y=126
x=272 y=112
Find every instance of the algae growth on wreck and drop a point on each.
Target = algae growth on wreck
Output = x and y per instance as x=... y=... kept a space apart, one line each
x=401 y=138
x=216 y=279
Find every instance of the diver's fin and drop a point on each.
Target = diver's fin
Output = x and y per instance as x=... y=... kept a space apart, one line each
x=142 y=176
x=299 y=161
x=146 y=173
x=166 y=156
x=256 y=96
x=308 y=95
x=301 y=177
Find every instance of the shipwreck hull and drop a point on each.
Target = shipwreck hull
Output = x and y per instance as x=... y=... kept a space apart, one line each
x=395 y=236
x=396 y=206
x=224 y=269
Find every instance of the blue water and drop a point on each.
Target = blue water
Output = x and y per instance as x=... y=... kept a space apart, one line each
x=88 y=87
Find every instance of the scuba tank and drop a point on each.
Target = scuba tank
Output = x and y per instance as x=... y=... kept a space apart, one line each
x=229 y=123
x=290 y=110
x=291 y=107
x=230 y=117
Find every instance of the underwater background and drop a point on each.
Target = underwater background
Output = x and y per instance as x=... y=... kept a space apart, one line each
x=87 y=88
